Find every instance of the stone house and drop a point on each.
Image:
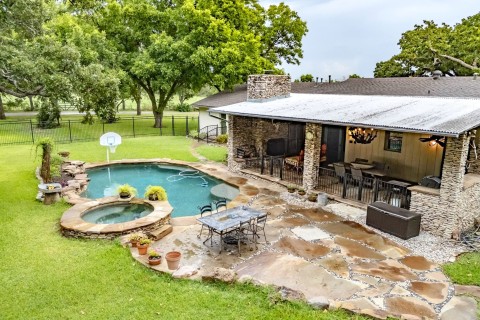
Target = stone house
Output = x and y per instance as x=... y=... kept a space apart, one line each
x=411 y=128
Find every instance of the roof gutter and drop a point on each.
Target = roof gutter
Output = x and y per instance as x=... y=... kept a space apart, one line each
x=221 y=119
x=338 y=123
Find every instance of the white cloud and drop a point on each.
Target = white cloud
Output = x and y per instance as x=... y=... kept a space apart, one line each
x=350 y=36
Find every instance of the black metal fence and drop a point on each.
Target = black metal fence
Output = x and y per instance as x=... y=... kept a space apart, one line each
x=29 y=131
x=366 y=189
x=273 y=166
x=210 y=133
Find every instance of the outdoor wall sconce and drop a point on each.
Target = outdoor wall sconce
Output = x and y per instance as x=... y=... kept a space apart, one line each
x=434 y=140
x=362 y=136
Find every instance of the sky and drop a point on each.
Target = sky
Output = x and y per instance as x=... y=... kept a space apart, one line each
x=351 y=36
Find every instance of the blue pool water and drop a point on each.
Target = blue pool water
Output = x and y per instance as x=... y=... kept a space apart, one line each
x=186 y=188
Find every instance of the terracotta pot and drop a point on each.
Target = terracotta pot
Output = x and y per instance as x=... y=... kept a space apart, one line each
x=302 y=193
x=124 y=195
x=291 y=190
x=173 y=259
x=152 y=197
x=154 y=261
x=142 y=249
x=134 y=243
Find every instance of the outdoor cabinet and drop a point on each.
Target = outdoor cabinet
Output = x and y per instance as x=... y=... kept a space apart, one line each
x=397 y=221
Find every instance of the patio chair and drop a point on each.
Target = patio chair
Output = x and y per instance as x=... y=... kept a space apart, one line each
x=358 y=178
x=339 y=171
x=259 y=226
x=379 y=165
x=205 y=210
x=239 y=235
x=222 y=203
x=296 y=161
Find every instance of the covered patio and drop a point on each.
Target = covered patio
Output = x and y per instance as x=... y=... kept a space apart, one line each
x=398 y=140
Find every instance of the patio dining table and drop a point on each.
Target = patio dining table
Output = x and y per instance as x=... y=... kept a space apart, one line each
x=226 y=221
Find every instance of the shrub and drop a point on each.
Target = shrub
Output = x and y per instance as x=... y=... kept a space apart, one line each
x=55 y=165
x=126 y=188
x=223 y=138
x=48 y=115
x=156 y=193
x=183 y=107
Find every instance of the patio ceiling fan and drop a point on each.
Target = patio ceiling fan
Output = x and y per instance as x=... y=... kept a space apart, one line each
x=433 y=140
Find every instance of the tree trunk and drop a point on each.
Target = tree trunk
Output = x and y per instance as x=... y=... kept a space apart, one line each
x=2 y=111
x=158 y=119
x=32 y=107
x=139 y=106
x=45 y=168
x=123 y=104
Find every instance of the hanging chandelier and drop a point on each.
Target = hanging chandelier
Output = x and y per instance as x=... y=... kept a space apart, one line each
x=362 y=136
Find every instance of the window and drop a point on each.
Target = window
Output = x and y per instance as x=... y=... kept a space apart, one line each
x=393 y=141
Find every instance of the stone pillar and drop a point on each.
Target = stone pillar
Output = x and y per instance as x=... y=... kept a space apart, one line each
x=453 y=173
x=475 y=163
x=311 y=162
x=262 y=87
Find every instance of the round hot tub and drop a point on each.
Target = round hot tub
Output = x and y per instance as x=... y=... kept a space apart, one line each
x=111 y=217
x=117 y=213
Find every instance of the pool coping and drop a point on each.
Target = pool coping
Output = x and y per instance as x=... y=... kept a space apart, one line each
x=73 y=225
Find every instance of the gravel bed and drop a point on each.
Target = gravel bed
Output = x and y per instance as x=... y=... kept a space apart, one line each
x=434 y=248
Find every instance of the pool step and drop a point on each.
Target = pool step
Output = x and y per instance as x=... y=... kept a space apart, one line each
x=160 y=233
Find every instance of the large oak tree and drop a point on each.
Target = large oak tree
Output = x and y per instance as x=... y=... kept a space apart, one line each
x=454 y=50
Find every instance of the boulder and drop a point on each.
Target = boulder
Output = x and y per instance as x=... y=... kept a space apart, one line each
x=220 y=274
x=185 y=272
x=319 y=302
x=290 y=294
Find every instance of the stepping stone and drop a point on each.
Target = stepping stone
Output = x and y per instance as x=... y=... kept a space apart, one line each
x=436 y=276
x=459 y=308
x=470 y=290
x=346 y=210
x=410 y=306
x=310 y=233
x=387 y=269
x=289 y=222
x=354 y=249
x=354 y=304
x=399 y=291
x=318 y=215
x=301 y=248
x=336 y=264
x=378 y=290
x=433 y=292
x=297 y=274
x=418 y=263
x=158 y=234
x=276 y=211
x=356 y=231
x=267 y=201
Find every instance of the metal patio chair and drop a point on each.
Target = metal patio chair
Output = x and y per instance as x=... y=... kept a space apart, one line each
x=205 y=210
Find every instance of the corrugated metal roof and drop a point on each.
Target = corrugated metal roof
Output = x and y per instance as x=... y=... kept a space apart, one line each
x=442 y=116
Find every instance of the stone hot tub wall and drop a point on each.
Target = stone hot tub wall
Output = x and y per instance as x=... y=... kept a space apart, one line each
x=454 y=207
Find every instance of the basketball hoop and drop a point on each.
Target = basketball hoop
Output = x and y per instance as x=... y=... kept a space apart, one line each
x=110 y=140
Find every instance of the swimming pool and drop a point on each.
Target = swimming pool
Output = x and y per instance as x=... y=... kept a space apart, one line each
x=117 y=213
x=186 y=188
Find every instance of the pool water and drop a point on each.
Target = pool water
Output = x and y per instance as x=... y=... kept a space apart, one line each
x=186 y=188
x=117 y=213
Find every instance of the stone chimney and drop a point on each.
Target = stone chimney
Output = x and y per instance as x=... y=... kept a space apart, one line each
x=264 y=87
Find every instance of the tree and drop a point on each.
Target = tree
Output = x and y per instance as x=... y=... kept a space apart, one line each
x=2 y=110
x=428 y=47
x=167 y=46
x=51 y=55
x=354 y=76
x=306 y=78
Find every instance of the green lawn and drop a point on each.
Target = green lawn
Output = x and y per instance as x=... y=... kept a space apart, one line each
x=465 y=270
x=46 y=276
x=215 y=153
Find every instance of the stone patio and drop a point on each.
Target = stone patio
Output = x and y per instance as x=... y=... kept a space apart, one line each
x=320 y=256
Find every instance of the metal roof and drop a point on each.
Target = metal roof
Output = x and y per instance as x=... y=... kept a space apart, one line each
x=418 y=86
x=442 y=116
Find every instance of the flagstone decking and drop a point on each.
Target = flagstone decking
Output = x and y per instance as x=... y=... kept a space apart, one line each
x=319 y=255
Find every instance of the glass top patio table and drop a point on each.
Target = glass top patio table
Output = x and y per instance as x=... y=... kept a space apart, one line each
x=229 y=218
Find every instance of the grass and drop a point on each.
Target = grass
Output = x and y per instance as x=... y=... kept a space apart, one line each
x=215 y=153
x=465 y=270
x=46 y=276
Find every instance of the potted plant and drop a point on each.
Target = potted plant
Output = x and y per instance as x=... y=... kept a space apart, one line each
x=301 y=191
x=134 y=238
x=126 y=191
x=312 y=197
x=154 y=193
x=154 y=257
x=142 y=246
x=291 y=188
x=173 y=259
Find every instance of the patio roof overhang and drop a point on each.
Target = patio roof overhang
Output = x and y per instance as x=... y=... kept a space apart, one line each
x=427 y=115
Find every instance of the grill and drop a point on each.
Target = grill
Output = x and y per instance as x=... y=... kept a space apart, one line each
x=431 y=182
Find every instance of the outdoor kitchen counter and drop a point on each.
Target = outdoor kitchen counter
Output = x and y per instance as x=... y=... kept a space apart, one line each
x=421 y=189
